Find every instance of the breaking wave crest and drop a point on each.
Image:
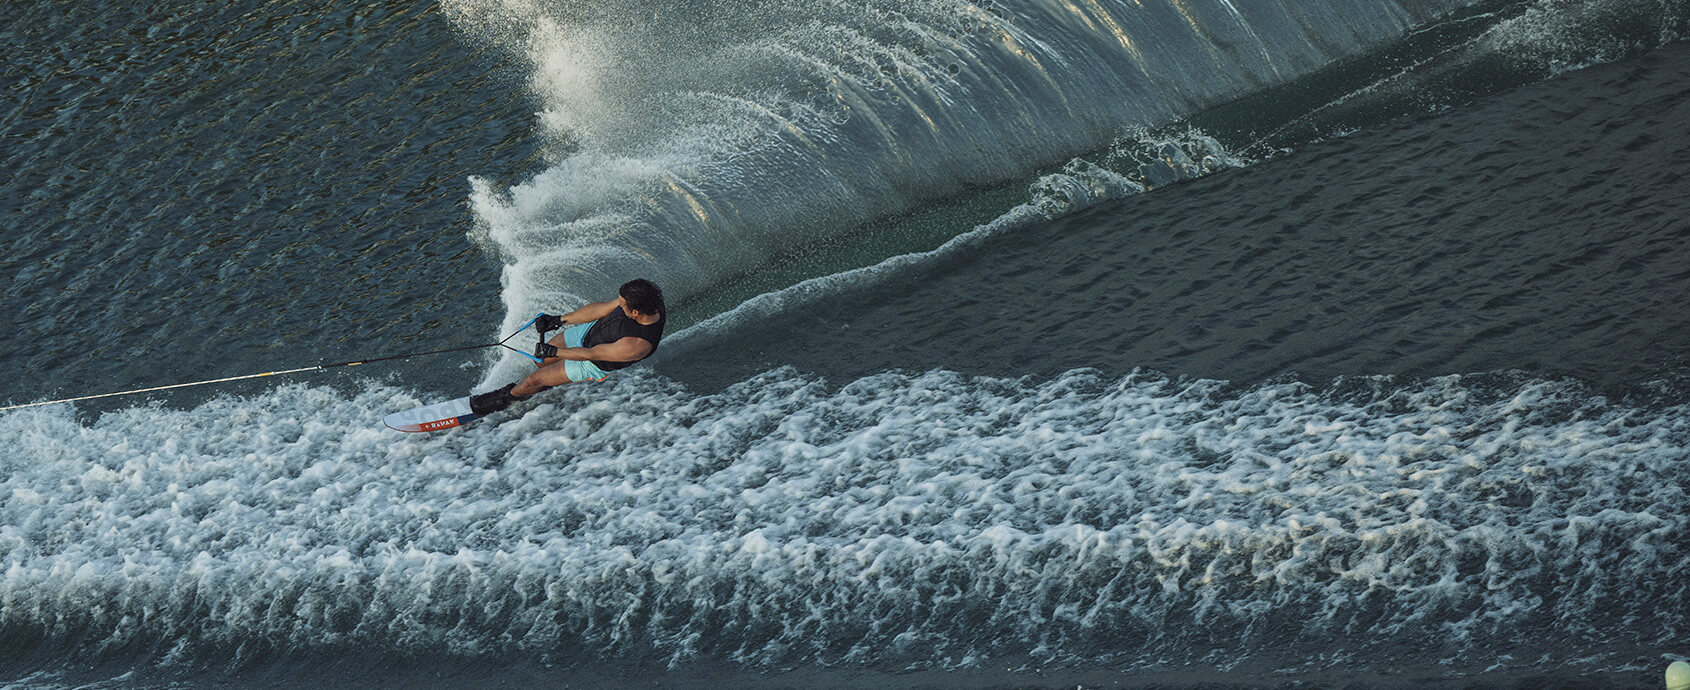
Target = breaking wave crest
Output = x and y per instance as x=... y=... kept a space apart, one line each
x=688 y=151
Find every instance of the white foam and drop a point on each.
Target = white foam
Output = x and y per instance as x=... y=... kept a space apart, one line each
x=921 y=520
x=1561 y=36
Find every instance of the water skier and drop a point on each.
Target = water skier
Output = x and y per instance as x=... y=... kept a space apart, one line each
x=597 y=339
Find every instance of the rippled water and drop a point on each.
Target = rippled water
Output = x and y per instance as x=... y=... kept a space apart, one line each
x=220 y=188
x=1022 y=344
x=1540 y=232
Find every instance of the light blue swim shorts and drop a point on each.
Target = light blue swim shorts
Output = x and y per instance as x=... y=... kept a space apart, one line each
x=580 y=371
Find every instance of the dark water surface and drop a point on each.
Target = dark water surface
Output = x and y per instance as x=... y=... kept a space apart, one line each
x=199 y=190
x=1541 y=231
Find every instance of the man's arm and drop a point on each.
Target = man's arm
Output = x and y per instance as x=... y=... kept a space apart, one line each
x=628 y=349
x=586 y=314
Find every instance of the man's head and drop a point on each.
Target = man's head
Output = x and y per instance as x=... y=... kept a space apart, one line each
x=643 y=296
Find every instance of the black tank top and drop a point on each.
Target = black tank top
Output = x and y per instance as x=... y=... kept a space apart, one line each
x=615 y=326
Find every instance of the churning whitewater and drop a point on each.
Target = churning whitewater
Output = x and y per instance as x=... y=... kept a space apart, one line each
x=899 y=520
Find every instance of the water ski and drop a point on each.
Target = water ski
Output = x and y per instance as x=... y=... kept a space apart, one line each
x=433 y=417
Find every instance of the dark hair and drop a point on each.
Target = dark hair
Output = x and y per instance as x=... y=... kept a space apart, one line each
x=643 y=296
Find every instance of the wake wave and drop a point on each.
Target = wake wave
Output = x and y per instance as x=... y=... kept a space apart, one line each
x=688 y=150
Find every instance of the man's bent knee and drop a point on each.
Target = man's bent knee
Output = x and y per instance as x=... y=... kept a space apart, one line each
x=541 y=380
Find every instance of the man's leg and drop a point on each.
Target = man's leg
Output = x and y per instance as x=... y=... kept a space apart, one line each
x=554 y=374
x=492 y=401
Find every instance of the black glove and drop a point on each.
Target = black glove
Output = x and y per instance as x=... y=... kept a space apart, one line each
x=545 y=350
x=547 y=322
